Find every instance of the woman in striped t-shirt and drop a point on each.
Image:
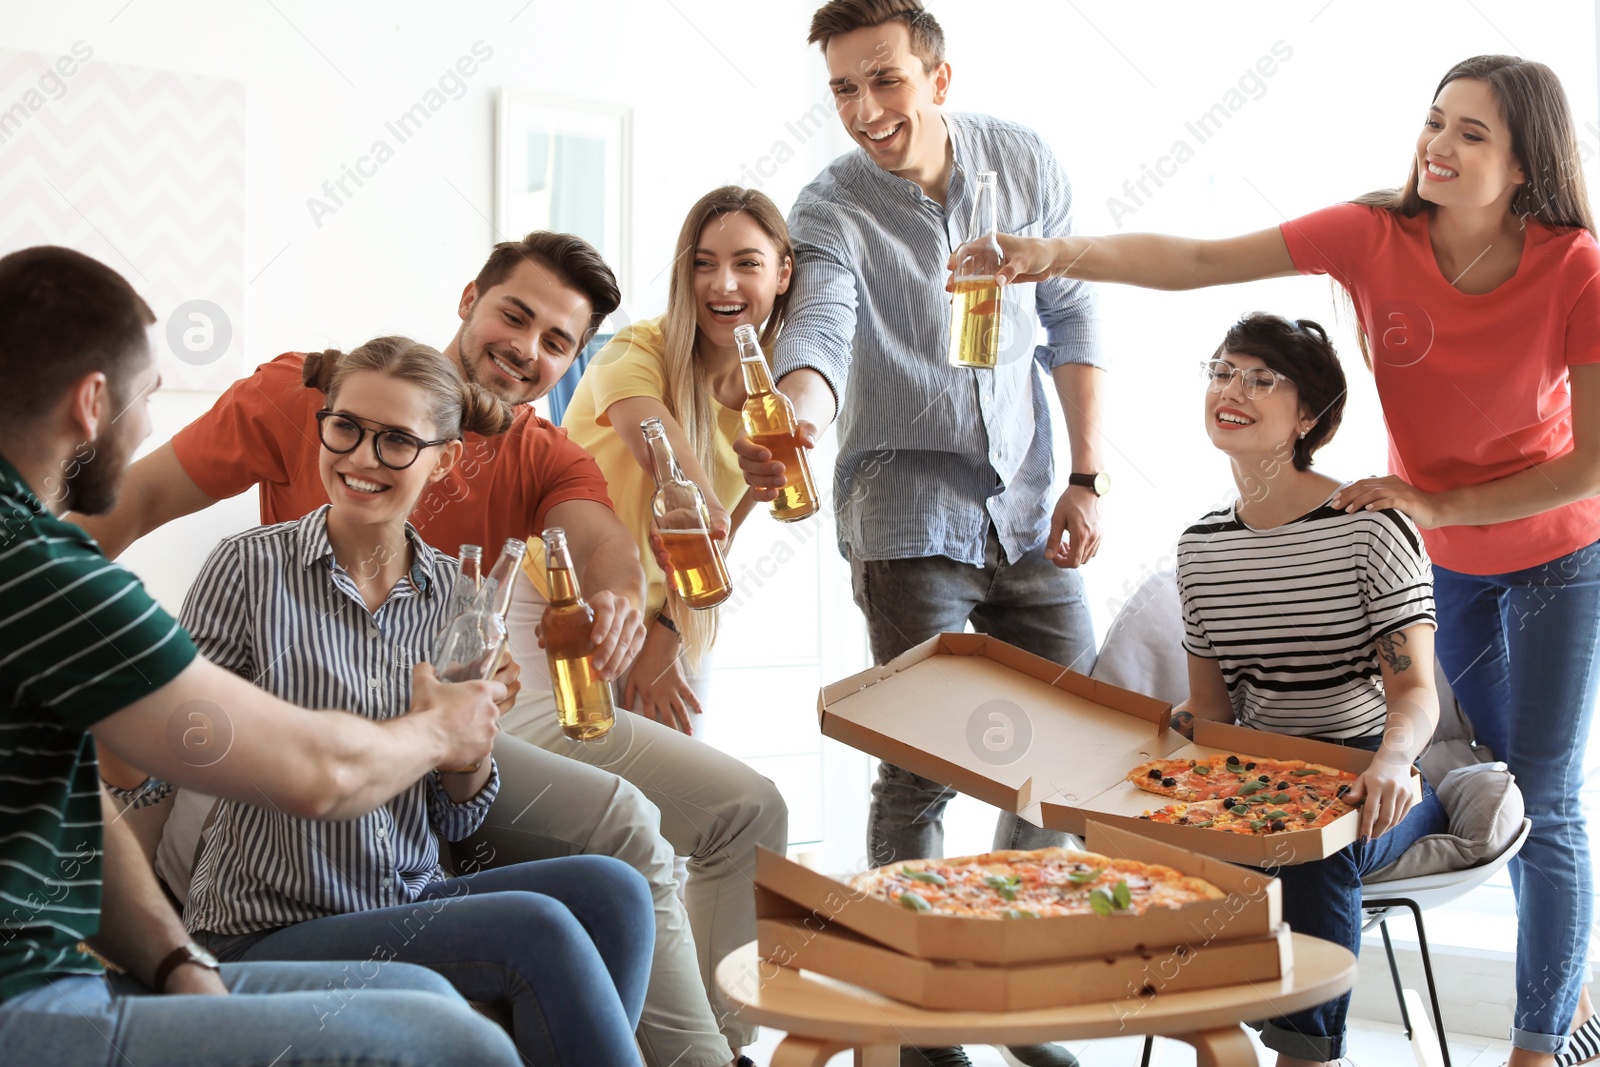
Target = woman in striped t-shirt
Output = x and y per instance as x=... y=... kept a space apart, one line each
x=1302 y=619
x=333 y=610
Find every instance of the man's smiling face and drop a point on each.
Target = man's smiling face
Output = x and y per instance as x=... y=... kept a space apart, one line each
x=887 y=99
x=519 y=337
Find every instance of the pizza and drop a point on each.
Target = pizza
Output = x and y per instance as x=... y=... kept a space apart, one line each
x=1245 y=795
x=1044 y=883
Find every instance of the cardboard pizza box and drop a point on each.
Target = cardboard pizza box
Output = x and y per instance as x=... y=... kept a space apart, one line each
x=1251 y=909
x=834 y=951
x=1025 y=734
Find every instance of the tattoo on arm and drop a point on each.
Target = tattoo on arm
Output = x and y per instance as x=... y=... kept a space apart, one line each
x=1183 y=722
x=1389 y=648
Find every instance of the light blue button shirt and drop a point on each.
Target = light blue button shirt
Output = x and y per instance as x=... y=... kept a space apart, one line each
x=930 y=455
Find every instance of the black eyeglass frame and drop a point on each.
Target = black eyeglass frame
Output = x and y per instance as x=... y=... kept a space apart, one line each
x=1209 y=377
x=377 y=438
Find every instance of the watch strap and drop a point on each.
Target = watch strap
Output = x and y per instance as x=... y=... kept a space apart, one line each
x=190 y=953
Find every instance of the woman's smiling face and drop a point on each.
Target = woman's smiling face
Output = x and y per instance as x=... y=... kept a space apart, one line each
x=362 y=489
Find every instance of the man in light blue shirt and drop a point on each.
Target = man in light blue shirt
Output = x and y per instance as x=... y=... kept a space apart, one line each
x=943 y=486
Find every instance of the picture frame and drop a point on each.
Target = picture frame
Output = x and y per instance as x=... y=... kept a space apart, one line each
x=567 y=165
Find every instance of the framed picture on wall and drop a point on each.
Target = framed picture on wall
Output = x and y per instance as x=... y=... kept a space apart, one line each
x=565 y=165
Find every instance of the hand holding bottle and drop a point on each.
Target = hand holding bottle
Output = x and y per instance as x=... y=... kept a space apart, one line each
x=764 y=475
x=466 y=714
x=1027 y=259
x=509 y=674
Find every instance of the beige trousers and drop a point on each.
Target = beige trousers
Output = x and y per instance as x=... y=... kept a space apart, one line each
x=643 y=793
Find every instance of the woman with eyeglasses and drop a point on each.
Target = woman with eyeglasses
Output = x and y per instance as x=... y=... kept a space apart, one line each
x=1303 y=618
x=337 y=610
x=1476 y=287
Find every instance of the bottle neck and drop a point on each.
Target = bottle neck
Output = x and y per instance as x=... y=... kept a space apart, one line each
x=663 y=464
x=984 y=212
x=757 y=376
x=563 y=583
x=503 y=580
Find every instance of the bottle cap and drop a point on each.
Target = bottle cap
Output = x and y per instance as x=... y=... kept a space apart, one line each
x=652 y=427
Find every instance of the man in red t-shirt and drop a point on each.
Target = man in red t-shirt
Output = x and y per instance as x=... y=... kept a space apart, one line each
x=530 y=310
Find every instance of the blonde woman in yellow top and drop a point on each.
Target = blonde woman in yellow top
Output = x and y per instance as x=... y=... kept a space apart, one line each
x=732 y=267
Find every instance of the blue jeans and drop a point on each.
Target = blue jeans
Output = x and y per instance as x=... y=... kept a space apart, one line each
x=1323 y=898
x=1520 y=651
x=1029 y=602
x=279 y=1014
x=565 y=942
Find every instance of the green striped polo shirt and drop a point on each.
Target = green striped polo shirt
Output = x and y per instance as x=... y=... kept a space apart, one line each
x=80 y=639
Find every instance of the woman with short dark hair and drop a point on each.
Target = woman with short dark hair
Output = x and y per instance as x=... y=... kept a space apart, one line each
x=1301 y=618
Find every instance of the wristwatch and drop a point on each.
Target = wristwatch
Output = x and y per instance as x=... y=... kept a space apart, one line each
x=665 y=620
x=1100 y=483
x=190 y=953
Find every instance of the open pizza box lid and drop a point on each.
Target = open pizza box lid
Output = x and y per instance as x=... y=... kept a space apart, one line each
x=1024 y=734
x=1251 y=908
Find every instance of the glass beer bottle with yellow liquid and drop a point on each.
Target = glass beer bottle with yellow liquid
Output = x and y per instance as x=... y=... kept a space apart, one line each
x=769 y=421
x=697 y=570
x=975 y=304
x=583 y=698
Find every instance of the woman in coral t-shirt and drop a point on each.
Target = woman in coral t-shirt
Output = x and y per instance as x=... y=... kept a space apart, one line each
x=1477 y=290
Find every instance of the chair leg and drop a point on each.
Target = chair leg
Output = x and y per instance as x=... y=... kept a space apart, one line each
x=1149 y=1045
x=1427 y=970
x=1394 y=973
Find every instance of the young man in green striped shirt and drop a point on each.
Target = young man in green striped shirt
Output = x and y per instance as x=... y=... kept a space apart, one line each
x=87 y=658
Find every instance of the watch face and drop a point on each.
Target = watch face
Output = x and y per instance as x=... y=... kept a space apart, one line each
x=1102 y=483
x=202 y=957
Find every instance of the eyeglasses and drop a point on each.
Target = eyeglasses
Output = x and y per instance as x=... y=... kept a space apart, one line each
x=342 y=434
x=1257 y=381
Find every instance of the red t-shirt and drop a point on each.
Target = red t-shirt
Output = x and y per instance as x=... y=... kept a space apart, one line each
x=263 y=431
x=1474 y=388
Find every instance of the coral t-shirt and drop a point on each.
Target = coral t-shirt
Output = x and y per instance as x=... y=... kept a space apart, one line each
x=1474 y=387
x=263 y=431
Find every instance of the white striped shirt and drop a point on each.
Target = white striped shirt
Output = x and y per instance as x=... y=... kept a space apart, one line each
x=273 y=605
x=931 y=455
x=1292 y=614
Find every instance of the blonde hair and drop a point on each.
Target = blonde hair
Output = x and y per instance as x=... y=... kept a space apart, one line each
x=455 y=405
x=688 y=394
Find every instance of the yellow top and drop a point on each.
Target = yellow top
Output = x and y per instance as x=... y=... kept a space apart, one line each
x=631 y=365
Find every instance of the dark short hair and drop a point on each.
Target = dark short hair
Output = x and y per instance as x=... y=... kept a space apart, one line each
x=1301 y=352
x=64 y=315
x=838 y=17
x=572 y=258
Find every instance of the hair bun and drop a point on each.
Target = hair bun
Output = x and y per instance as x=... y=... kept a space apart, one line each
x=318 y=368
x=484 y=413
x=1310 y=326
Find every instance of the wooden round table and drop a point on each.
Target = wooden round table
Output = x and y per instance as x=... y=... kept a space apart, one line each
x=825 y=1016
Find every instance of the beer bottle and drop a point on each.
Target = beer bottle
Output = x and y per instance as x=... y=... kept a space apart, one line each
x=696 y=568
x=469 y=646
x=469 y=581
x=975 y=304
x=769 y=421
x=583 y=698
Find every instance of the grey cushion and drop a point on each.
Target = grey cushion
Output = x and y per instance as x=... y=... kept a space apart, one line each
x=1485 y=809
x=1143 y=650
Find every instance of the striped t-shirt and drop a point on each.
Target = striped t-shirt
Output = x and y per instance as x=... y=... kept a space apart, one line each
x=1293 y=614
x=80 y=640
x=274 y=605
